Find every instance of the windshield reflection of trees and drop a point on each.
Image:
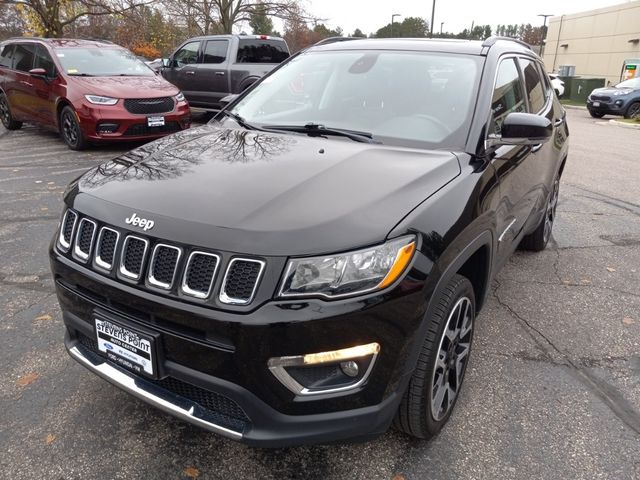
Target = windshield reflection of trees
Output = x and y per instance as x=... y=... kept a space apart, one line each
x=174 y=156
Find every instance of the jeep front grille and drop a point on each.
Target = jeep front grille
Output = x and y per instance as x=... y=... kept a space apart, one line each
x=154 y=264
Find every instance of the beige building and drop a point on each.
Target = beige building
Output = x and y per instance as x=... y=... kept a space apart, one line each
x=596 y=42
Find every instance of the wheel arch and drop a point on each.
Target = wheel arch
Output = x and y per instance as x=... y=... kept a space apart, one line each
x=63 y=102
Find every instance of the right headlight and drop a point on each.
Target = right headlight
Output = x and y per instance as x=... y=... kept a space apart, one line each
x=350 y=273
x=101 y=100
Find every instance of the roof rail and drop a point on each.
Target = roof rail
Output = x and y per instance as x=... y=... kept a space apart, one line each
x=489 y=42
x=27 y=38
x=90 y=39
x=327 y=41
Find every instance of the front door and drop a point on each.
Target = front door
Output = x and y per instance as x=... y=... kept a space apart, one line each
x=212 y=78
x=182 y=68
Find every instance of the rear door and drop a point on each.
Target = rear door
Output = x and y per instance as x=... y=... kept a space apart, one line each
x=7 y=74
x=182 y=69
x=212 y=77
x=23 y=96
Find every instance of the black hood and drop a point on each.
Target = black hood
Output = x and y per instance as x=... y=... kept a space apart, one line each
x=264 y=193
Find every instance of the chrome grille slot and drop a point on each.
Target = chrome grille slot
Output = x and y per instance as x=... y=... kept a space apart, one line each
x=84 y=239
x=164 y=262
x=241 y=281
x=134 y=251
x=66 y=229
x=199 y=274
x=106 y=247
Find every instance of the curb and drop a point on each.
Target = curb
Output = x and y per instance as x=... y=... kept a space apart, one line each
x=625 y=125
x=574 y=107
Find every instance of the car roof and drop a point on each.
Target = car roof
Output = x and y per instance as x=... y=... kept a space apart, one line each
x=67 y=42
x=468 y=47
x=236 y=35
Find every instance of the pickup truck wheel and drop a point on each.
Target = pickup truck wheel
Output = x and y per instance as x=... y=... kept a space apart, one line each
x=435 y=384
x=538 y=240
x=5 y=114
x=70 y=129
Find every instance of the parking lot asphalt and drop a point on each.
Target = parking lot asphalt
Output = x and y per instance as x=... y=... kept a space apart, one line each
x=552 y=390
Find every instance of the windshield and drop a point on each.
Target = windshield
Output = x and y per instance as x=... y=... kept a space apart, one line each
x=413 y=99
x=631 y=83
x=101 y=62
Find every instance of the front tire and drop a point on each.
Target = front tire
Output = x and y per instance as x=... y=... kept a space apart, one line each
x=70 y=130
x=633 y=111
x=6 y=116
x=435 y=384
x=539 y=238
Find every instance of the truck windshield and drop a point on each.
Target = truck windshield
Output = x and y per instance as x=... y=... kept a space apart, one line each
x=403 y=98
x=101 y=62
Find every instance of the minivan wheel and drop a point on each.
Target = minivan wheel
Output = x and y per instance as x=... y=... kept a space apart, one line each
x=539 y=238
x=633 y=110
x=70 y=129
x=5 y=114
x=595 y=114
x=435 y=384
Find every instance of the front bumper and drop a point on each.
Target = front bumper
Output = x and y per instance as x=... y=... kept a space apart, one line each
x=607 y=107
x=224 y=355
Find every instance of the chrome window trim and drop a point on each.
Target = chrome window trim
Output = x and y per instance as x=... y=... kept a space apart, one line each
x=152 y=280
x=97 y=259
x=224 y=298
x=123 y=270
x=77 y=253
x=196 y=293
x=62 y=243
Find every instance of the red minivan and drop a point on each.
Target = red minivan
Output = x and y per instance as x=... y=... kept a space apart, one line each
x=89 y=91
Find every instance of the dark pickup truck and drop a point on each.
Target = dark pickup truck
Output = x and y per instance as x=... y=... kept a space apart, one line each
x=209 y=68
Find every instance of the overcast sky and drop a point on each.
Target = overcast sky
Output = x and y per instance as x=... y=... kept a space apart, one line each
x=369 y=15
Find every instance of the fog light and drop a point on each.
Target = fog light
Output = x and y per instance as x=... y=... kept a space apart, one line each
x=335 y=371
x=107 y=128
x=618 y=102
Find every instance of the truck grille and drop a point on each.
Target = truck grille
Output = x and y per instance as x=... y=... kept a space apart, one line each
x=149 y=105
x=154 y=263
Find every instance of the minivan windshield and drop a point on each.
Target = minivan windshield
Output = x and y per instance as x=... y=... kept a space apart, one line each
x=403 y=98
x=101 y=62
x=631 y=83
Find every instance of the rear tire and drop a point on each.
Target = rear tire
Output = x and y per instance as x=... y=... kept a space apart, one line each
x=596 y=114
x=435 y=384
x=539 y=238
x=70 y=130
x=633 y=111
x=6 y=116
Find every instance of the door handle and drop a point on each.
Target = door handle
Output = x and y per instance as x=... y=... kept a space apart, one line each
x=220 y=74
x=189 y=72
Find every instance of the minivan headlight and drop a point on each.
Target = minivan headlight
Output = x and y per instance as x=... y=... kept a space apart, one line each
x=351 y=273
x=179 y=97
x=100 y=100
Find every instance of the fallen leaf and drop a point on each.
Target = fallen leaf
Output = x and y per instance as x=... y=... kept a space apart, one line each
x=628 y=321
x=586 y=281
x=611 y=269
x=44 y=209
x=50 y=438
x=398 y=477
x=38 y=181
x=51 y=183
x=27 y=379
x=565 y=281
x=43 y=318
x=192 y=472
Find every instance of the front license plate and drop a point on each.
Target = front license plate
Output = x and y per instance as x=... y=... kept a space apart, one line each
x=125 y=347
x=155 y=121
x=596 y=104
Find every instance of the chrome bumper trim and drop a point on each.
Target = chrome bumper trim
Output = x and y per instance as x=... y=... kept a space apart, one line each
x=175 y=405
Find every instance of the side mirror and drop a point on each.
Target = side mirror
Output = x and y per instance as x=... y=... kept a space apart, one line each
x=522 y=129
x=224 y=101
x=166 y=62
x=38 y=73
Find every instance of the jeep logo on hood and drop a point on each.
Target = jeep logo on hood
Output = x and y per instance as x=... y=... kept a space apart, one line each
x=135 y=221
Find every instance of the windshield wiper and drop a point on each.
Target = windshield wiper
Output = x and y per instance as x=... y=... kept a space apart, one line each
x=240 y=121
x=316 y=129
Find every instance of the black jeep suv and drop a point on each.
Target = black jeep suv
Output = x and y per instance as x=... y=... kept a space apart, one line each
x=308 y=266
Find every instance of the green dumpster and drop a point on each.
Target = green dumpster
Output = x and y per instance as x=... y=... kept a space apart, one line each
x=578 y=89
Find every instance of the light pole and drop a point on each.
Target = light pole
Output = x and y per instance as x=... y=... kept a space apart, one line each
x=392 y=17
x=441 y=24
x=433 y=16
x=544 y=31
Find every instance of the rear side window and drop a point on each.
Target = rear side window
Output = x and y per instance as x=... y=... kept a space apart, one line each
x=261 y=51
x=24 y=57
x=43 y=60
x=215 y=51
x=533 y=84
x=187 y=54
x=508 y=95
x=6 y=56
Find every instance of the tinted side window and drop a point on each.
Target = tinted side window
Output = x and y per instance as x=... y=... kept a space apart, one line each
x=6 y=56
x=533 y=84
x=261 y=51
x=24 y=56
x=215 y=51
x=508 y=93
x=43 y=60
x=187 y=54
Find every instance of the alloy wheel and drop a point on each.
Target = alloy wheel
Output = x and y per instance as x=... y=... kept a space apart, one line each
x=550 y=214
x=5 y=115
x=69 y=128
x=634 y=110
x=451 y=362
